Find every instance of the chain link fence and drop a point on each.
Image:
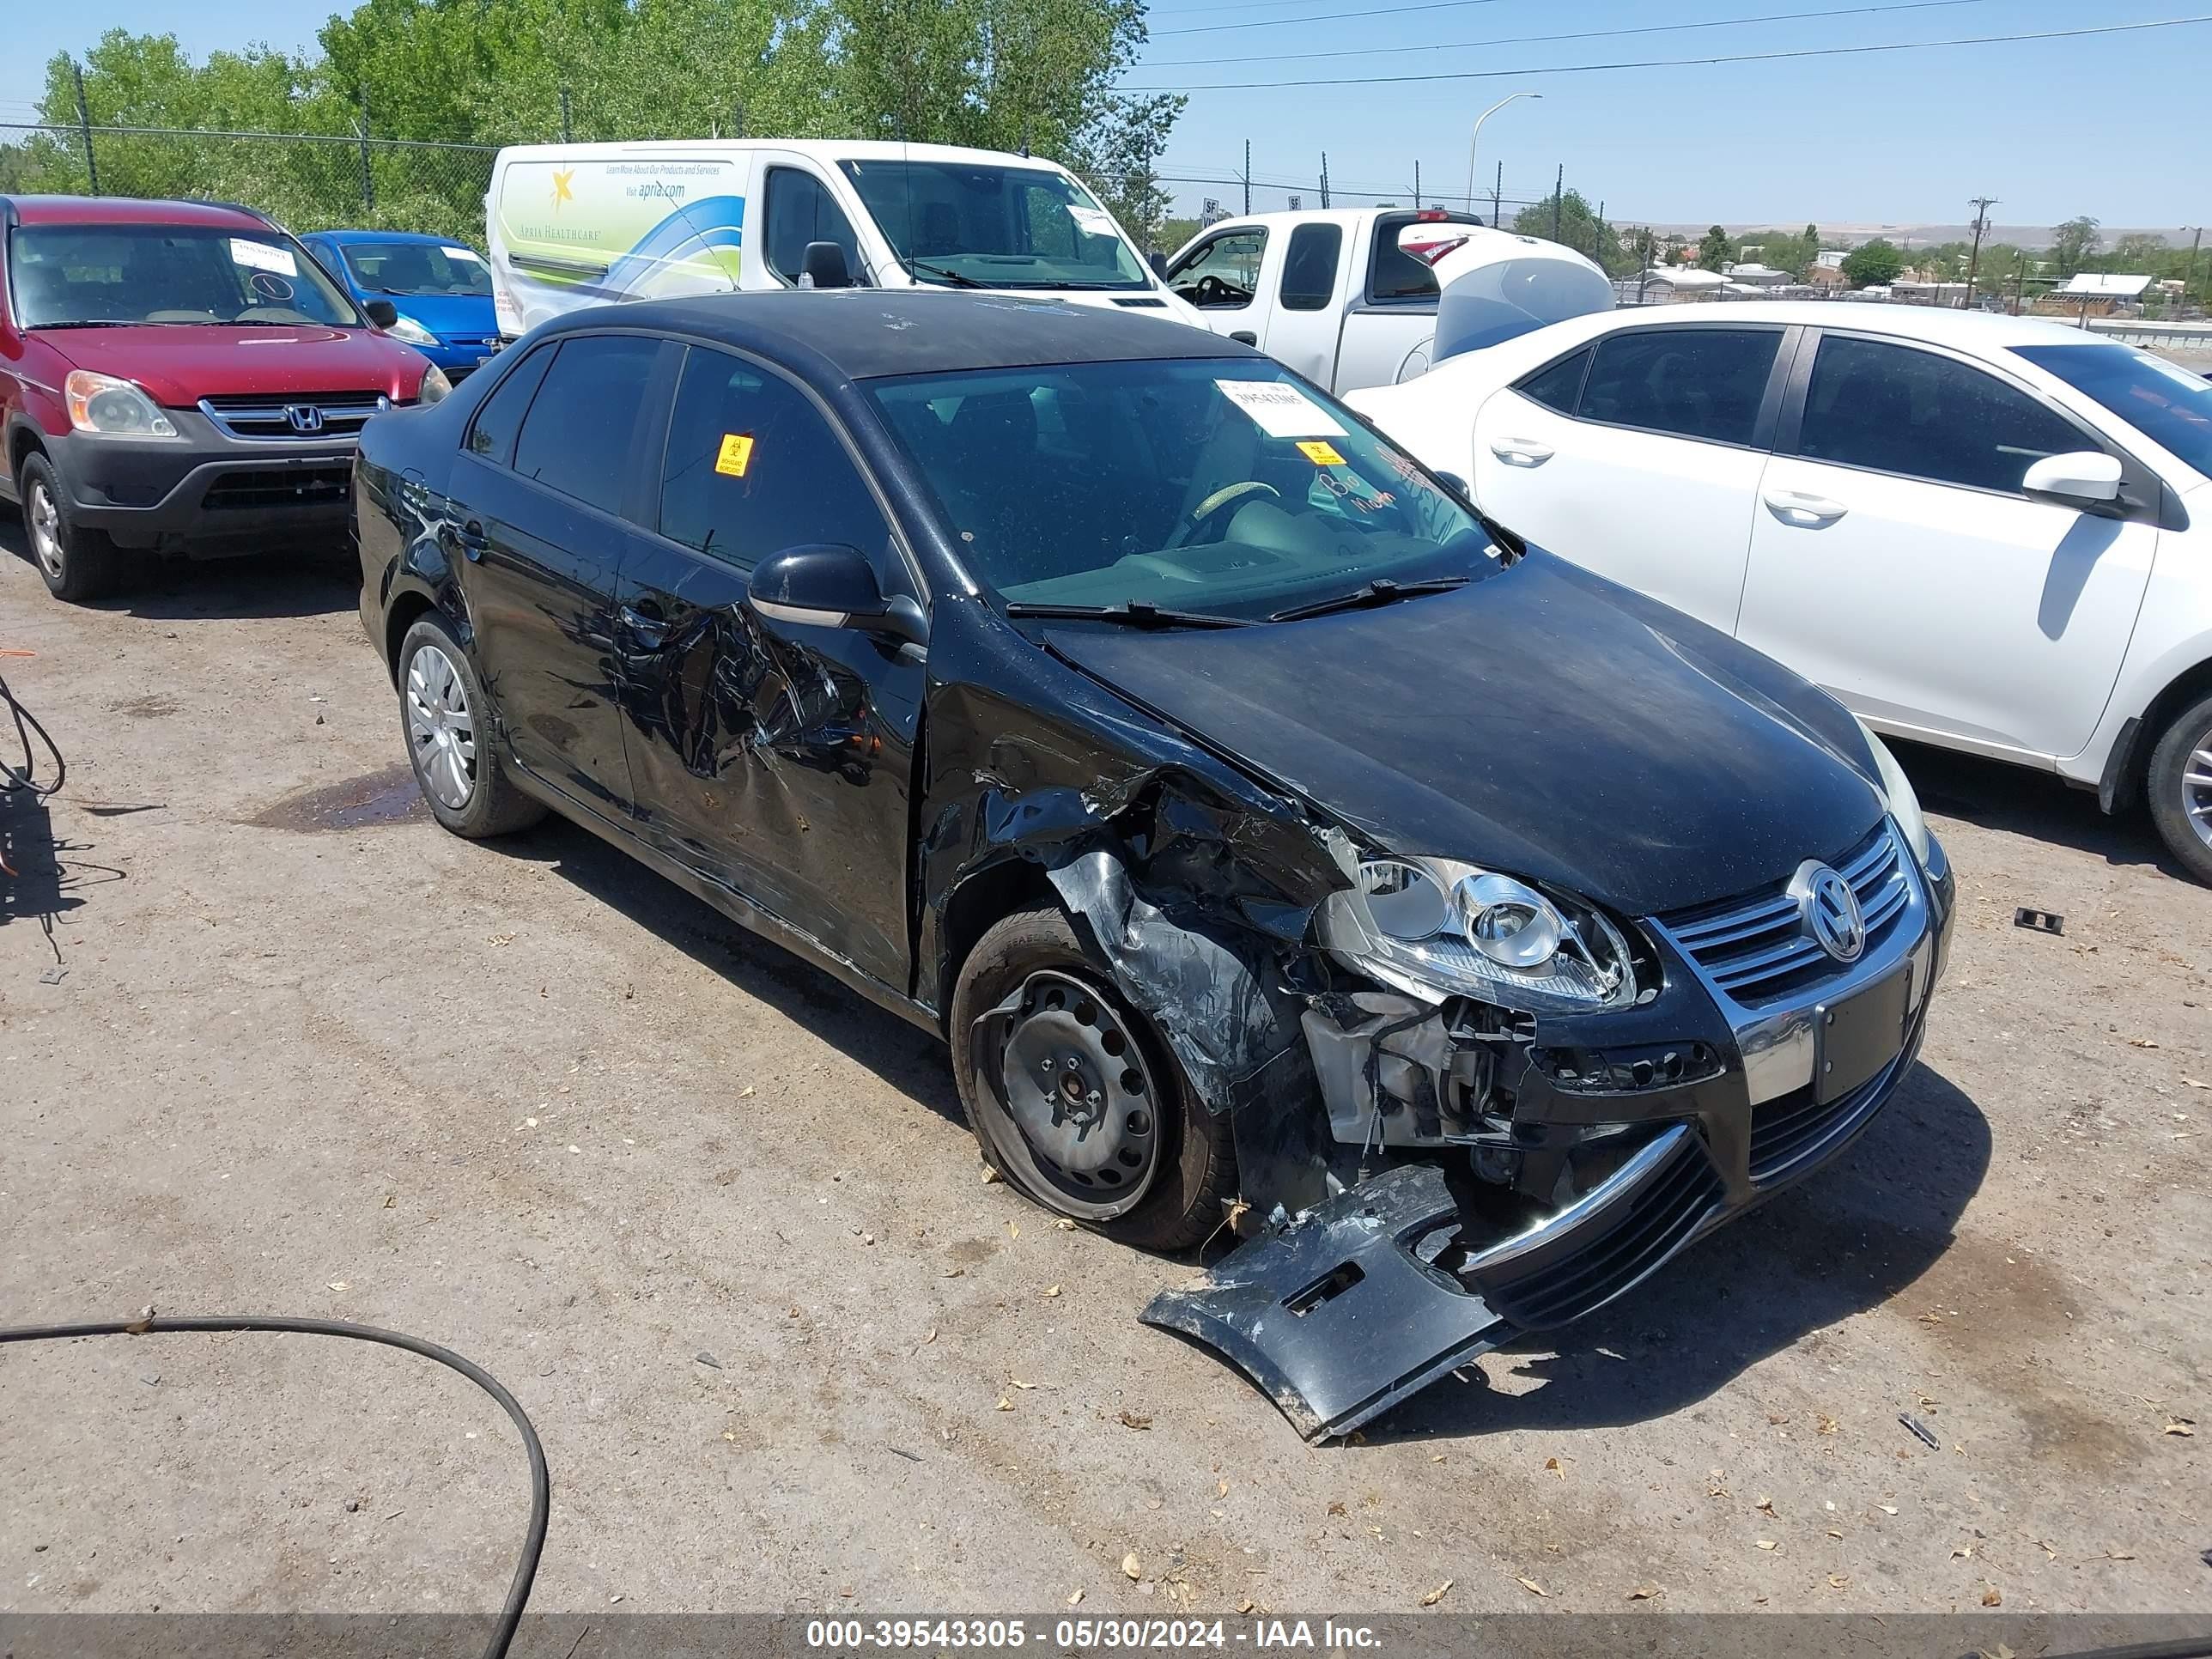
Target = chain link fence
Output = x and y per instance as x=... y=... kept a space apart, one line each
x=304 y=181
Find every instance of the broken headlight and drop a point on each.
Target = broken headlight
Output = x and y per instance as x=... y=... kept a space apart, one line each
x=1436 y=927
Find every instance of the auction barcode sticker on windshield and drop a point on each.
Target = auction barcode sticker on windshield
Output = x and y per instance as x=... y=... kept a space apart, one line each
x=465 y=255
x=262 y=257
x=1281 y=409
x=1090 y=220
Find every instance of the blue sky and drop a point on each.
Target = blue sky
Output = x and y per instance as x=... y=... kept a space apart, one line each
x=2112 y=127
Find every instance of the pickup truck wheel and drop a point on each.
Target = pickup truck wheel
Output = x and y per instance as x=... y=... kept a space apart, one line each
x=2180 y=788
x=446 y=718
x=78 y=563
x=1087 y=1112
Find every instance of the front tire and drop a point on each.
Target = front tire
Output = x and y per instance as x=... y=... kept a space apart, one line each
x=78 y=563
x=2180 y=784
x=1092 y=1116
x=446 y=720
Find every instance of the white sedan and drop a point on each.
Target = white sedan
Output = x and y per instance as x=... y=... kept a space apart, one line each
x=1993 y=533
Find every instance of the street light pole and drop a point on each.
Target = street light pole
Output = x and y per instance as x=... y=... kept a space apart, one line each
x=1475 y=137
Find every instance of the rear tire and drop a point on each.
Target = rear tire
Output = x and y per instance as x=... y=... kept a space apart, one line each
x=2179 y=785
x=1185 y=1151
x=78 y=563
x=445 y=719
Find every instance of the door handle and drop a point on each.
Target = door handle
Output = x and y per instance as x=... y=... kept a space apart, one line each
x=1245 y=337
x=1806 y=512
x=1521 y=451
x=471 y=539
x=644 y=624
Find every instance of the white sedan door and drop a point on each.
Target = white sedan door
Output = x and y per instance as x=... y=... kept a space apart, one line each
x=1896 y=562
x=1639 y=457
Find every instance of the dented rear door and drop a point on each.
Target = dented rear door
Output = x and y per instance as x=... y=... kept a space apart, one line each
x=771 y=758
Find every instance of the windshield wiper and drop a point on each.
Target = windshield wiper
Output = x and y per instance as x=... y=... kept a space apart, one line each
x=1381 y=591
x=951 y=276
x=92 y=322
x=1137 y=613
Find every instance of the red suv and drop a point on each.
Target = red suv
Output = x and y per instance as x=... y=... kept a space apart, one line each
x=178 y=377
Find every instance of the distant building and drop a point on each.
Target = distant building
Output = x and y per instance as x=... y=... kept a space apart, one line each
x=1755 y=275
x=2092 y=293
x=1671 y=284
x=1831 y=258
x=1827 y=276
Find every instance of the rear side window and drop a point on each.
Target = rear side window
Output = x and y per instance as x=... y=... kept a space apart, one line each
x=1560 y=386
x=800 y=209
x=492 y=433
x=752 y=468
x=576 y=438
x=1309 y=267
x=1897 y=409
x=1705 y=383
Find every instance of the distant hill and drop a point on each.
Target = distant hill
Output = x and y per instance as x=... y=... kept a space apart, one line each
x=1930 y=235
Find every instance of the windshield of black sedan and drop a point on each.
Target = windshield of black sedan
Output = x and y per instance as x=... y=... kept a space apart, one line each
x=952 y=224
x=1219 y=485
x=65 y=274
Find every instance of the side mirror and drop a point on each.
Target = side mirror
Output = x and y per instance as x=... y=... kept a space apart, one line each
x=2086 y=477
x=382 y=313
x=1158 y=261
x=830 y=585
x=822 y=266
x=1456 y=484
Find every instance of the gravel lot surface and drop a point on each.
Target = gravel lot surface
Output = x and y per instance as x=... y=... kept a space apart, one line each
x=719 y=1226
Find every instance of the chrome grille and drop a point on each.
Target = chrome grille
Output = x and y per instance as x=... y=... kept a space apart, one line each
x=268 y=416
x=1754 y=950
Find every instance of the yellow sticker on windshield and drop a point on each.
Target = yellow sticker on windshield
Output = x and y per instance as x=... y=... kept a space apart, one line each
x=1320 y=454
x=737 y=454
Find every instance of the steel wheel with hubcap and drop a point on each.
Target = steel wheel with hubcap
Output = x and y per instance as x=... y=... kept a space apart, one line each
x=45 y=521
x=2180 y=781
x=1072 y=1095
x=448 y=723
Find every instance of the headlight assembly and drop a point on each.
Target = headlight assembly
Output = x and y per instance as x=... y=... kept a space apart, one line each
x=1438 y=927
x=112 y=408
x=1898 y=793
x=406 y=328
x=435 y=385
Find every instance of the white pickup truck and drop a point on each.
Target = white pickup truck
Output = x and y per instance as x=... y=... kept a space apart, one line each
x=1349 y=297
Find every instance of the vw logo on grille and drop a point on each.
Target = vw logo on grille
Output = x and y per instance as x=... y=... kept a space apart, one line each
x=304 y=417
x=1828 y=911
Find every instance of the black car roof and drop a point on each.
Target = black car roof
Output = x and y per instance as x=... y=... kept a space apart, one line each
x=861 y=334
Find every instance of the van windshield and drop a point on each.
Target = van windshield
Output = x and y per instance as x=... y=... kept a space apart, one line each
x=1222 y=485
x=66 y=276
x=957 y=225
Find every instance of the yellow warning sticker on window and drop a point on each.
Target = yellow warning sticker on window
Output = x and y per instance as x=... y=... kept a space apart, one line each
x=1320 y=453
x=737 y=454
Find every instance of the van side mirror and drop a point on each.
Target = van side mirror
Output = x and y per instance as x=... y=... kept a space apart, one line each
x=832 y=585
x=822 y=266
x=2086 y=477
x=1158 y=261
x=382 y=313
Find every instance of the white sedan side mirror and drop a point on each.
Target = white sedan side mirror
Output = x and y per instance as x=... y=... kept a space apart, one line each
x=2083 y=477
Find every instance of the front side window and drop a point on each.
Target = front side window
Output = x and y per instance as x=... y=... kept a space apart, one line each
x=1897 y=409
x=409 y=270
x=956 y=225
x=1704 y=383
x=1221 y=274
x=2163 y=401
x=576 y=438
x=752 y=468
x=81 y=276
x=1221 y=485
x=1309 y=267
x=800 y=209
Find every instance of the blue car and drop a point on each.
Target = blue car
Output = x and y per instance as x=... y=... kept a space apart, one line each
x=442 y=290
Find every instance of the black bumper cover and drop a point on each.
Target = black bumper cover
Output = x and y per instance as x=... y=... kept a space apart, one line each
x=204 y=491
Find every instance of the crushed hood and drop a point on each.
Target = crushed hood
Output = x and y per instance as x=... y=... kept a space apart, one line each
x=1542 y=721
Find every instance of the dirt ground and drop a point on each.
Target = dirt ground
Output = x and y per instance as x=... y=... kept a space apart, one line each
x=720 y=1227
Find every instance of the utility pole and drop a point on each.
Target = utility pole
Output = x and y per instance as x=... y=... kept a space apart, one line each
x=568 y=132
x=1324 y=178
x=1247 y=176
x=1416 y=184
x=2190 y=281
x=2019 y=282
x=1981 y=206
x=1644 y=273
x=1597 y=239
x=1559 y=199
x=368 y=177
x=1496 y=188
x=84 y=130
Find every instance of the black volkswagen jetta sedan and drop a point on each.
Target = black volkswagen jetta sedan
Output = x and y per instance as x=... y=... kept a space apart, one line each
x=1278 y=844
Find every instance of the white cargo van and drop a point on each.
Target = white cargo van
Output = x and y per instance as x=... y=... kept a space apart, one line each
x=574 y=225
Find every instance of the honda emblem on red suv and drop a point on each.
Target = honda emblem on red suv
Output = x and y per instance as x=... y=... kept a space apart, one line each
x=304 y=418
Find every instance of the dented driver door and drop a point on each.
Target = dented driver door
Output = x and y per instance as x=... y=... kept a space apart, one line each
x=770 y=758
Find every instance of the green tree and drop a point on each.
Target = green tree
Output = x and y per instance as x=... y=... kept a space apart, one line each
x=2074 y=242
x=1871 y=264
x=1716 y=248
x=1579 y=228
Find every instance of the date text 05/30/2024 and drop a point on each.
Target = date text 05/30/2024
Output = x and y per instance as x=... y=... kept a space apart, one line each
x=1087 y=1635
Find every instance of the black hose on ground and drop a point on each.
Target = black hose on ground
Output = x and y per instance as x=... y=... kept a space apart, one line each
x=541 y=1486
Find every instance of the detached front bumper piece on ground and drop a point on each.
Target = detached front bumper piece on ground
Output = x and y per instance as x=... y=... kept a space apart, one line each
x=1620 y=1157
